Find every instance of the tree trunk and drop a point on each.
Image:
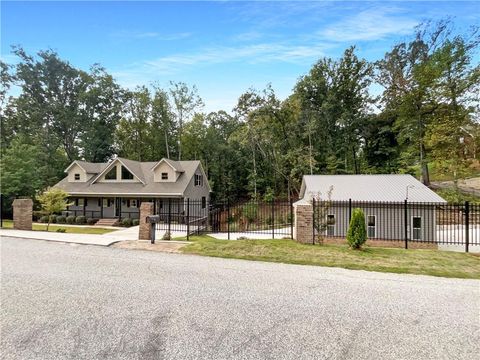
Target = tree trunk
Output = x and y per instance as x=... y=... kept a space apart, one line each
x=425 y=176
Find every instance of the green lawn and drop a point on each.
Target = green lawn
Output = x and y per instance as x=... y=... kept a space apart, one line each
x=425 y=262
x=8 y=224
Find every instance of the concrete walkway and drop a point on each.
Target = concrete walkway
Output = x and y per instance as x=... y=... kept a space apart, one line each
x=107 y=239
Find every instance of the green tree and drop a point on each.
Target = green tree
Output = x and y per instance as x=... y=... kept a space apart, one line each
x=186 y=102
x=53 y=201
x=357 y=233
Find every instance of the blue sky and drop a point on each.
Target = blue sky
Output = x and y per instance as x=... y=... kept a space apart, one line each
x=223 y=48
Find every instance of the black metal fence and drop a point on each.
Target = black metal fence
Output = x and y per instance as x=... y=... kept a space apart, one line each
x=436 y=223
x=244 y=219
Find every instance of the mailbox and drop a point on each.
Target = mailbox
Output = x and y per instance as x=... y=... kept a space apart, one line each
x=153 y=219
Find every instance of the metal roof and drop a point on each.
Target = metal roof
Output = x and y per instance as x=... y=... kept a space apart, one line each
x=385 y=188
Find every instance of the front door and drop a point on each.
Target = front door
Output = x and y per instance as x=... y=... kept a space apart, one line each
x=118 y=204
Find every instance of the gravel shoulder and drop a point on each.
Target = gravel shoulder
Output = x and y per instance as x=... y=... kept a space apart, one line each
x=75 y=301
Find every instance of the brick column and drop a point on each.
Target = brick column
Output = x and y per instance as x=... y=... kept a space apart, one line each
x=145 y=231
x=303 y=225
x=22 y=214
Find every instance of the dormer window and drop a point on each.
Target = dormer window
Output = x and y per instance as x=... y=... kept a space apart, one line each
x=198 y=180
x=164 y=176
x=112 y=174
x=126 y=175
x=77 y=177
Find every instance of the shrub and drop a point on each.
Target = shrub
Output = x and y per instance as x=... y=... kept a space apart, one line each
x=61 y=219
x=127 y=222
x=250 y=211
x=242 y=238
x=80 y=220
x=167 y=236
x=357 y=233
x=70 y=219
x=43 y=219
x=92 y=221
x=61 y=230
x=53 y=219
x=135 y=222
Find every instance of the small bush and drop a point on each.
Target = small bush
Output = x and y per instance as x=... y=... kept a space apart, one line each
x=167 y=236
x=92 y=221
x=61 y=219
x=61 y=230
x=70 y=219
x=43 y=219
x=127 y=222
x=242 y=238
x=80 y=220
x=357 y=233
x=53 y=219
x=135 y=222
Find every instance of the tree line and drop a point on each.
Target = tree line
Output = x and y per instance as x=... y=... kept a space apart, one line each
x=334 y=121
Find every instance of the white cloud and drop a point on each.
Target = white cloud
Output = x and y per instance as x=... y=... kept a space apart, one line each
x=129 y=35
x=371 y=24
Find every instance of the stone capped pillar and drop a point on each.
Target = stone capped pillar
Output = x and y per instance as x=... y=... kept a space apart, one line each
x=22 y=214
x=145 y=231
x=303 y=225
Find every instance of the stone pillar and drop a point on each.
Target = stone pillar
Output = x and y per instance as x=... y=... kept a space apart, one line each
x=145 y=231
x=22 y=214
x=303 y=225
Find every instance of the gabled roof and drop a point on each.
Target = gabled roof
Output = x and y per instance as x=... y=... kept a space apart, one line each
x=385 y=188
x=90 y=168
x=131 y=165
x=175 y=165
x=144 y=169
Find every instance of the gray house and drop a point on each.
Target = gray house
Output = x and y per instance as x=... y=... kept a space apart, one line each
x=115 y=190
x=394 y=205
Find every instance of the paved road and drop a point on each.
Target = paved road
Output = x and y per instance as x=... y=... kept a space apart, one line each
x=66 y=301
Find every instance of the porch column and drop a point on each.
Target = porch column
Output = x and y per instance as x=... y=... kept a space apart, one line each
x=120 y=208
x=101 y=207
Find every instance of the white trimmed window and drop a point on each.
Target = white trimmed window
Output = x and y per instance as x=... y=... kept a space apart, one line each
x=77 y=177
x=331 y=225
x=416 y=228
x=371 y=226
x=164 y=176
x=198 y=180
x=133 y=203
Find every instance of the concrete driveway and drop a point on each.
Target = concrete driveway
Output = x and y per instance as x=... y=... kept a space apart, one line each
x=65 y=301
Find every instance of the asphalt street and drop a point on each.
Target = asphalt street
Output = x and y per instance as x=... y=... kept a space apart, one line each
x=69 y=301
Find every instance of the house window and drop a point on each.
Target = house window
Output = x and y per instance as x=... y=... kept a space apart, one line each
x=198 y=180
x=371 y=226
x=204 y=202
x=160 y=204
x=99 y=202
x=112 y=174
x=79 y=202
x=417 y=228
x=133 y=203
x=126 y=175
x=107 y=203
x=330 y=225
x=164 y=176
x=77 y=176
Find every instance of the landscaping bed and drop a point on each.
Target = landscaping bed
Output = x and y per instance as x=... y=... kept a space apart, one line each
x=412 y=261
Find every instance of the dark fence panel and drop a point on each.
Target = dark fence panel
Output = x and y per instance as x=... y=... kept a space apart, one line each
x=438 y=223
x=191 y=216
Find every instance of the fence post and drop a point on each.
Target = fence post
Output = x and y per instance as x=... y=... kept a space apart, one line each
x=273 y=219
x=228 y=218
x=169 y=216
x=188 y=219
x=291 y=218
x=313 y=222
x=406 y=224
x=349 y=211
x=467 y=225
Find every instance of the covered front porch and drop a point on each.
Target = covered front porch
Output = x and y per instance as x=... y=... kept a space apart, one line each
x=117 y=207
